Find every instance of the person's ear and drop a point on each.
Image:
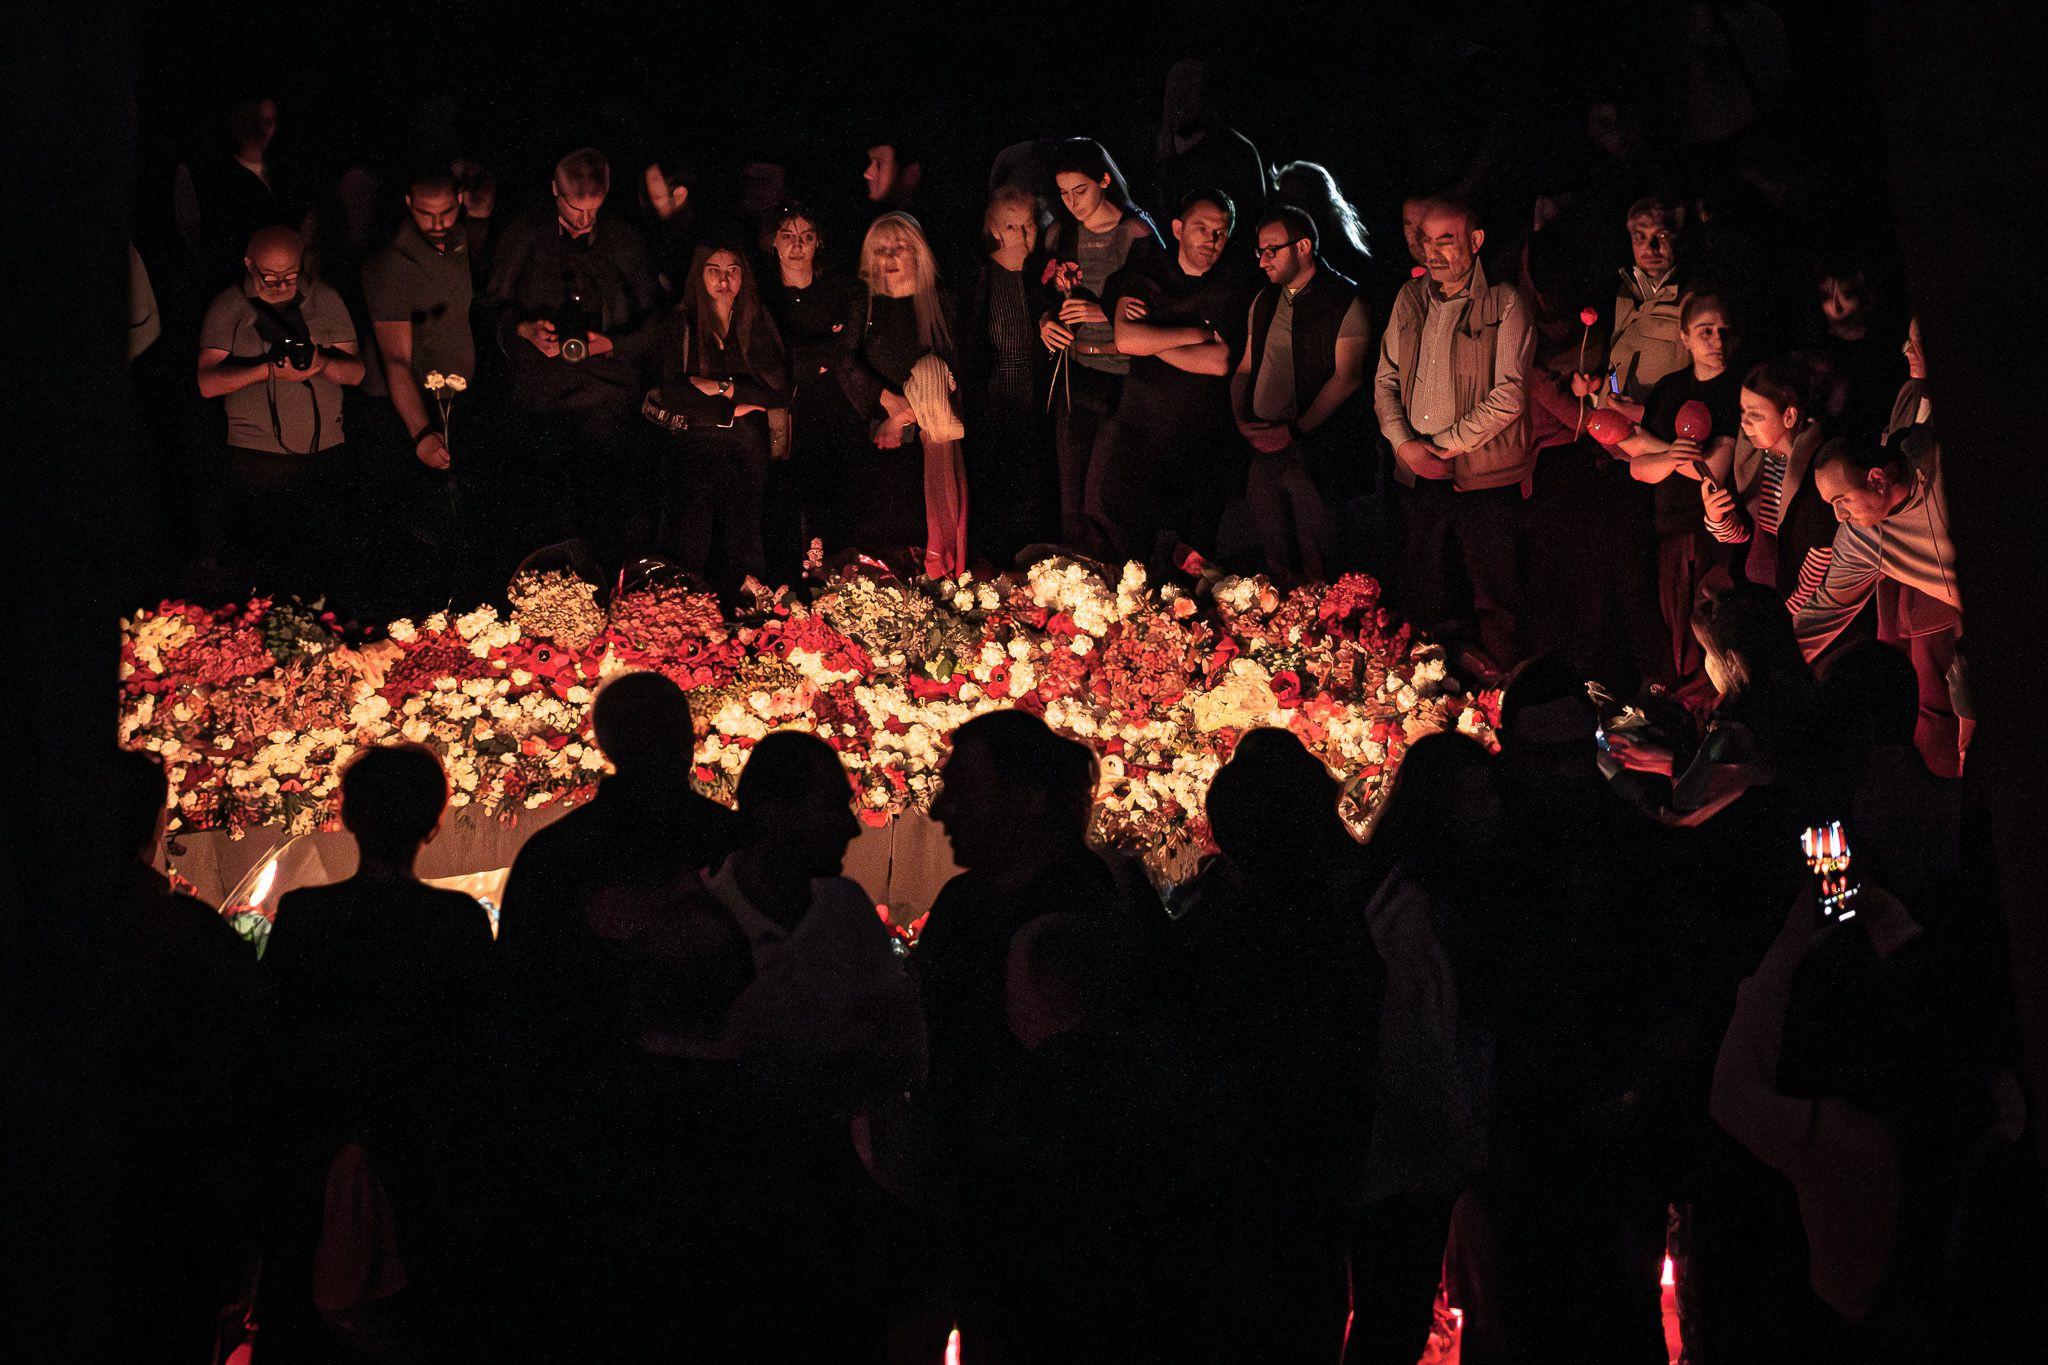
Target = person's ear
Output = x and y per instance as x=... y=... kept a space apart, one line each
x=679 y=195
x=1790 y=417
x=1104 y=182
x=1176 y=229
x=1478 y=239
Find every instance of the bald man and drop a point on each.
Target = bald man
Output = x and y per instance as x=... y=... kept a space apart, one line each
x=1451 y=401
x=278 y=348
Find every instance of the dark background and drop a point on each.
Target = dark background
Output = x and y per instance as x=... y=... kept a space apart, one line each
x=1392 y=98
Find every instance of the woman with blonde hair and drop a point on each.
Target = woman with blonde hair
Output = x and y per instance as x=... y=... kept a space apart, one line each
x=897 y=371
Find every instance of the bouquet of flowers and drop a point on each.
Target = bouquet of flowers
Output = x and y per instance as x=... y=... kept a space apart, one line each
x=254 y=709
x=1064 y=276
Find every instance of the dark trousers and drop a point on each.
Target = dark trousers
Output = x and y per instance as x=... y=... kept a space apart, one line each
x=289 y=525
x=1397 y=1261
x=1936 y=733
x=417 y=560
x=1288 y=511
x=711 y=483
x=1154 y=484
x=1461 y=557
x=1082 y=400
x=583 y=472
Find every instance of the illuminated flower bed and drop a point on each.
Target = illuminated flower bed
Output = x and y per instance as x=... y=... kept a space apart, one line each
x=254 y=708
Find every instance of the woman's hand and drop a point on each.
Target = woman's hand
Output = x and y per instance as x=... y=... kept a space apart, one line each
x=1588 y=385
x=1131 y=308
x=1076 y=311
x=1718 y=501
x=1055 y=336
x=1641 y=757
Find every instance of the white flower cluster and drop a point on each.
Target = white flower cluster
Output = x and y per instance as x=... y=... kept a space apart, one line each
x=1063 y=585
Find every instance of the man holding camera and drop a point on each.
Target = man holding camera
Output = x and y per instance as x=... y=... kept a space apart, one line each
x=570 y=296
x=278 y=348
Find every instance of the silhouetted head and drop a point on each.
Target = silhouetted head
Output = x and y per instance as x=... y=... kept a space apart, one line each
x=140 y=791
x=1749 y=643
x=1546 y=724
x=1446 y=807
x=392 y=798
x=643 y=723
x=1011 y=787
x=1273 y=808
x=794 y=799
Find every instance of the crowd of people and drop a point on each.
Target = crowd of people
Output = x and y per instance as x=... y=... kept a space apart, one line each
x=689 y=1098
x=1572 y=1006
x=1210 y=366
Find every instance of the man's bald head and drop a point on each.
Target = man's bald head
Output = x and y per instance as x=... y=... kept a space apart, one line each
x=274 y=262
x=1451 y=238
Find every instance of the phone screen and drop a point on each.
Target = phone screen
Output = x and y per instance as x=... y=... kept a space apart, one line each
x=1828 y=861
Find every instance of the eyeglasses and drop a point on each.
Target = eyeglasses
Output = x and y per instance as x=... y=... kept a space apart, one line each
x=797 y=238
x=270 y=281
x=1267 y=253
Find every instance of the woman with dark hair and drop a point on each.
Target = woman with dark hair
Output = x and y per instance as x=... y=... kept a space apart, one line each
x=723 y=367
x=808 y=302
x=895 y=367
x=1759 y=493
x=1089 y=243
x=1003 y=377
x=1764 y=731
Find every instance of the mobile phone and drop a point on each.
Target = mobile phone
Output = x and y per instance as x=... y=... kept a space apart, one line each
x=1600 y=738
x=1828 y=861
x=1614 y=382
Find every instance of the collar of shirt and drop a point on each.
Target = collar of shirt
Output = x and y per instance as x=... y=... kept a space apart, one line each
x=724 y=886
x=414 y=243
x=1645 y=289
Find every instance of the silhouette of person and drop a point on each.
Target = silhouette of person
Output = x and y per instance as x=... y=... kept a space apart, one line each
x=180 y=990
x=384 y=1021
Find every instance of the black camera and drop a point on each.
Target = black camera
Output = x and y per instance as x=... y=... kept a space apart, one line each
x=295 y=351
x=573 y=325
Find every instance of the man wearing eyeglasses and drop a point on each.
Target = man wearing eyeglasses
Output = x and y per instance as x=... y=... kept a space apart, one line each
x=1451 y=401
x=571 y=295
x=1294 y=395
x=278 y=349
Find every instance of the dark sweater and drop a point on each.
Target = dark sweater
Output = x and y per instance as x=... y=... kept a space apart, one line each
x=878 y=347
x=535 y=270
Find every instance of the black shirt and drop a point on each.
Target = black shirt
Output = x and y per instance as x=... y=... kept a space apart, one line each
x=1158 y=394
x=1678 y=498
x=877 y=349
x=536 y=269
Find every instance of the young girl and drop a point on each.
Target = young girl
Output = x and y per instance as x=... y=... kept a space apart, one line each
x=1097 y=232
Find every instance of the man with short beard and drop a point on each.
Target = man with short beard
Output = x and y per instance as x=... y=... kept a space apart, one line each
x=1451 y=401
x=1161 y=462
x=1293 y=395
x=418 y=288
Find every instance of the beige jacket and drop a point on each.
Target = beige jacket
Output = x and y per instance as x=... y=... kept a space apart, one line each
x=1490 y=351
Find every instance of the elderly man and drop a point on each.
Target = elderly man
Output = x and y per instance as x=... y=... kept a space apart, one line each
x=1451 y=401
x=278 y=349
